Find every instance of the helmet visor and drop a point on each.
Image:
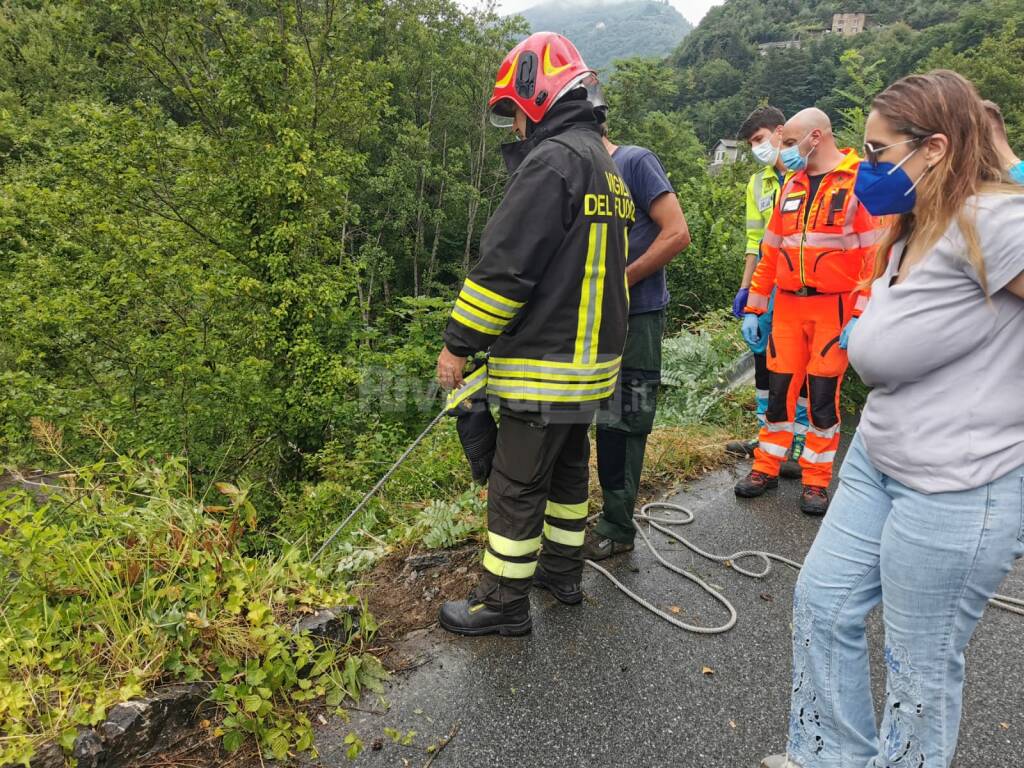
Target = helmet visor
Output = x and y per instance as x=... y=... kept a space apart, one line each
x=589 y=82
x=503 y=114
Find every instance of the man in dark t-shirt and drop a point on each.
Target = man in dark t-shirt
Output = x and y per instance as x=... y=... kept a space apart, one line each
x=657 y=236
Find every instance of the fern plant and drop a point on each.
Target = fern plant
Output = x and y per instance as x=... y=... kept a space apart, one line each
x=693 y=371
x=445 y=524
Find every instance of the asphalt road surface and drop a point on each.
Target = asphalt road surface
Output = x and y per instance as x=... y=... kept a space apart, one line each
x=609 y=685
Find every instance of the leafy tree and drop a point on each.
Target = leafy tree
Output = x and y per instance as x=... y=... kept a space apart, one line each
x=996 y=67
x=211 y=211
x=859 y=84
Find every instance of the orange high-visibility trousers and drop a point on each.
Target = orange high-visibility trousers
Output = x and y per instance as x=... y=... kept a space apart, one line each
x=804 y=346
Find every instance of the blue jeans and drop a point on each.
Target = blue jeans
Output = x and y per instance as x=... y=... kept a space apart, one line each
x=933 y=561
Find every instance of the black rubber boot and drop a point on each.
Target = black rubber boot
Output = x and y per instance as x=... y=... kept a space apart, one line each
x=814 y=501
x=755 y=484
x=743 y=449
x=570 y=593
x=470 y=617
x=791 y=470
x=597 y=547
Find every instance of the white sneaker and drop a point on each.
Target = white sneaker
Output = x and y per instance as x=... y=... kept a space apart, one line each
x=778 y=761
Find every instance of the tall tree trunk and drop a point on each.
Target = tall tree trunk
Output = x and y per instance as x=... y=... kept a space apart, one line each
x=476 y=179
x=417 y=247
x=432 y=265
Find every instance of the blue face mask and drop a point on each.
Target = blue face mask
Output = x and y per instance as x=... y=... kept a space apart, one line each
x=765 y=152
x=1017 y=172
x=885 y=188
x=791 y=157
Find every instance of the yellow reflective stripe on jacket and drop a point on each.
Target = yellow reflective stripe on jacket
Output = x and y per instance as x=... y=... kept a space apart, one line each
x=538 y=394
x=566 y=511
x=551 y=381
x=481 y=315
x=561 y=536
x=511 y=547
x=484 y=326
x=473 y=293
x=588 y=322
x=503 y=568
x=484 y=310
x=496 y=382
x=472 y=384
x=582 y=375
x=513 y=375
x=502 y=302
x=530 y=365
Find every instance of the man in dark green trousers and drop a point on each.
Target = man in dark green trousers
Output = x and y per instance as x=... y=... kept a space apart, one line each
x=657 y=236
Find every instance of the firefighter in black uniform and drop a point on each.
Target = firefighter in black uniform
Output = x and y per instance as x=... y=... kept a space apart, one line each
x=548 y=300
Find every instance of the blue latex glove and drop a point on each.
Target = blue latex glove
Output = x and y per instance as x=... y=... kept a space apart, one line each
x=844 y=337
x=740 y=302
x=750 y=331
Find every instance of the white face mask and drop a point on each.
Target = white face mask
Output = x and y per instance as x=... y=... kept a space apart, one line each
x=766 y=152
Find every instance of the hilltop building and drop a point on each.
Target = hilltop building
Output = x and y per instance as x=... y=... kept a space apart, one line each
x=849 y=24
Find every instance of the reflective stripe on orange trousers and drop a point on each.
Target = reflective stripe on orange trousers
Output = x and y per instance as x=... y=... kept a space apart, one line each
x=804 y=344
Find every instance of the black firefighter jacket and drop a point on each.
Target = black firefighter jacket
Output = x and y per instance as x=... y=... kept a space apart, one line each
x=548 y=297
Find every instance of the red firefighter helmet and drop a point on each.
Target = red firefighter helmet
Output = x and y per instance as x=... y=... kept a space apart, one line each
x=535 y=75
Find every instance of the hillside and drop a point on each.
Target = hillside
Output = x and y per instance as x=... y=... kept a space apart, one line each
x=721 y=72
x=605 y=30
x=730 y=29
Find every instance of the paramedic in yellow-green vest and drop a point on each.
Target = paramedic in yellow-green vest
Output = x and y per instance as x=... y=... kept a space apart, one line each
x=762 y=130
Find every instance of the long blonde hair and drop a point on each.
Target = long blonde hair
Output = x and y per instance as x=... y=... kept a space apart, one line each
x=943 y=102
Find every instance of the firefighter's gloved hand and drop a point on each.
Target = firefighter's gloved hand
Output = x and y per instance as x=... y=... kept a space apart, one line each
x=844 y=337
x=751 y=335
x=740 y=302
x=479 y=436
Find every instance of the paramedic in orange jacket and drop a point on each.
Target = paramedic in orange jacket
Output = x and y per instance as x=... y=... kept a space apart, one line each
x=818 y=250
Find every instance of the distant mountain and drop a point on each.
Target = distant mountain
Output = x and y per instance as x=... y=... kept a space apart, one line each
x=605 y=30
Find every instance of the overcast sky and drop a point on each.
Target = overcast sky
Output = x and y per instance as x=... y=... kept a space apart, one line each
x=693 y=10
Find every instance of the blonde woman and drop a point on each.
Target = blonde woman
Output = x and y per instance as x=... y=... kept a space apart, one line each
x=929 y=515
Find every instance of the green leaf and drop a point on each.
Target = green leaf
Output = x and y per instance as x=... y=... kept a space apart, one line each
x=233 y=740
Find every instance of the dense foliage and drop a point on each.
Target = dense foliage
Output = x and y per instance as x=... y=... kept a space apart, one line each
x=215 y=217
x=123 y=578
x=606 y=31
x=719 y=74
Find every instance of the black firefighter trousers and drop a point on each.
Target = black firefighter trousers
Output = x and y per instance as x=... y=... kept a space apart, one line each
x=536 y=504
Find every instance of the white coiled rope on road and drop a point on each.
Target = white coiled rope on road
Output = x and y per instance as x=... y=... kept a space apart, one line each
x=1010 y=604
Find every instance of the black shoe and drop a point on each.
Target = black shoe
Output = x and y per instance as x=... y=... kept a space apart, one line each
x=755 y=484
x=596 y=547
x=468 y=617
x=814 y=501
x=566 y=592
x=743 y=449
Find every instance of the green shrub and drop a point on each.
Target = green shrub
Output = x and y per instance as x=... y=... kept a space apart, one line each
x=125 y=577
